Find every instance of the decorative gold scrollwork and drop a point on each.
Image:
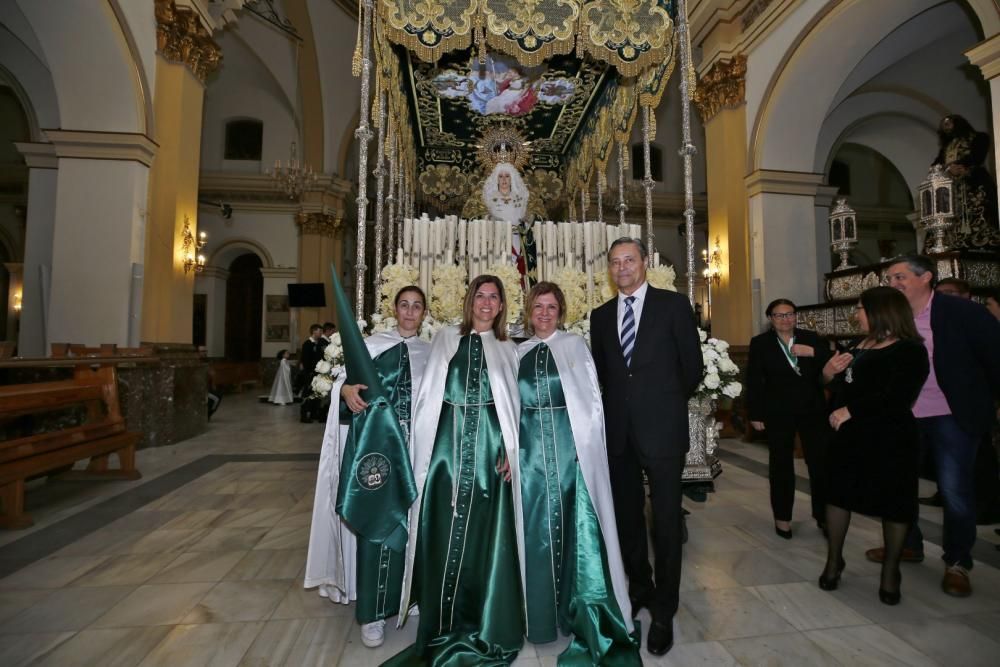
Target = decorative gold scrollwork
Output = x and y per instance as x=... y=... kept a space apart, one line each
x=723 y=87
x=181 y=38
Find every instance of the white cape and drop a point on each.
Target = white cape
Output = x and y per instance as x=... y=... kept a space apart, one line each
x=501 y=363
x=578 y=376
x=331 y=561
x=281 y=389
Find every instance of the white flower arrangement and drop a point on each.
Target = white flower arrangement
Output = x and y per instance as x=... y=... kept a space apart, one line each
x=720 y=376
x=511 y=279
x=331 y=365
x=394 y=278
x=573 y=283
x=448 y=287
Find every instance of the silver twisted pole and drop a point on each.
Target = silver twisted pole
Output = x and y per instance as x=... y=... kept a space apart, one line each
x=622 y=207
x=600 y=197
x=379 y=190
x=647 y=182
x=390 y=200
x=687 y=149
x=363 y=135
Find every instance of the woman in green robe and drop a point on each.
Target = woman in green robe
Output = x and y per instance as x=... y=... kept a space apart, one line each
x=574 y=578
x=462 y=567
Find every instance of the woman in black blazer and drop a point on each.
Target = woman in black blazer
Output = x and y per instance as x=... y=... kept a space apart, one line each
x=785 y=396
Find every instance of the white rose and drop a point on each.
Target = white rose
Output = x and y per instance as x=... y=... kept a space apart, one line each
x=322 y=384
x=721 y=345
x=733 y=389
x=708 y=354
x=323 y=367
x=377 y=318
x=331 y=350
x=712 y=381
x=727 y=366
x=335 y=340
x=711 y=368
x=702 y=335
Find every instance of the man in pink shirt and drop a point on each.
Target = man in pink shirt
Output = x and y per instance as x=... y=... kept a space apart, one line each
x=954 y=409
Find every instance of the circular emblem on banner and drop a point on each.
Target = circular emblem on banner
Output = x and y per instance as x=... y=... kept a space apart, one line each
x=373 y=471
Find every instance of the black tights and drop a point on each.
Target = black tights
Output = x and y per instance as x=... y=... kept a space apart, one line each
x=838 y=520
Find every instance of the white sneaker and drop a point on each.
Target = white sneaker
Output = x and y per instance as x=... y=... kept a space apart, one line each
x=373 y=634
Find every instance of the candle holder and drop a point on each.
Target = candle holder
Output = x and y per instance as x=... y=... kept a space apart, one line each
x=843 y=232
x=937 y=212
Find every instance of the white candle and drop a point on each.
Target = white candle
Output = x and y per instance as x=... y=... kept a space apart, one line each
x=463 y=254
x=407 y=237
x=588 y=261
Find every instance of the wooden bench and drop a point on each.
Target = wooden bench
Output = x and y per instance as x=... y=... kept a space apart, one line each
x=88 y=425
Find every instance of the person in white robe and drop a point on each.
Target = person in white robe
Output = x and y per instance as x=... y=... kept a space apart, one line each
x=281 y=388
x=331 y=563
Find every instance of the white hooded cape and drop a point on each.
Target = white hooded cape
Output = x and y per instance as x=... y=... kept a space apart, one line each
x=578 y=376
x=501 y=363
x=331 y=561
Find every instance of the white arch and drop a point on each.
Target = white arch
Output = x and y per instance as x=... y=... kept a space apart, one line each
x=901 y=128
x=806 y=82
x=97 y=81
x=29 y=78
x=232 y=248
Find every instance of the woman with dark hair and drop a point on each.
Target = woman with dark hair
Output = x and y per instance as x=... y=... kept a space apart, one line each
x=785 y=396
x=574 y=577
x=874 y=459
x=465 y=527
x=344 y=567
x=962 y=153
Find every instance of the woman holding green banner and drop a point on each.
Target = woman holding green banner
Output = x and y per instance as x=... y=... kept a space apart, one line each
x=462 y=565
x=345 y=566
x=575 y=581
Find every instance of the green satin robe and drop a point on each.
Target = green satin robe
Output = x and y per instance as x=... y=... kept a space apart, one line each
x=466 y=579
x=566 y=565
x=379 y=568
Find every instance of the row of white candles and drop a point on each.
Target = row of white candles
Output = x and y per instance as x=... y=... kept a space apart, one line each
x=481 y=244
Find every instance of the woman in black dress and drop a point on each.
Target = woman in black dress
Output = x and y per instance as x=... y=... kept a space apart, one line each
x=785 y=396
x=874 y=458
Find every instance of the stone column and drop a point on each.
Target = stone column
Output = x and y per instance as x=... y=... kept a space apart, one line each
x=32 y=339
x=783 y=248
x=320 y=244
x=721 y=102
x=212 y=283
x=986 y=56
x=186 y=54
x=98 y=234
x=275 y=283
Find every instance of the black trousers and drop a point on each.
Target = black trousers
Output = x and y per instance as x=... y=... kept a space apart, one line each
x=664 y=475
x=814 y=432
x=987 y=480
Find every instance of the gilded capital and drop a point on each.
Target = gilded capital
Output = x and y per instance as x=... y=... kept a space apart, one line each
x=181 y=38
x=318 y=224
x=722 y=87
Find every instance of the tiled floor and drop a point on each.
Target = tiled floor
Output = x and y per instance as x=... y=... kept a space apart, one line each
x=200 y=563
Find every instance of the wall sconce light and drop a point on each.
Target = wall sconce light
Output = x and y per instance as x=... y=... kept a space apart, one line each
x=17 y=302
x=193 y=260
x=713 y=264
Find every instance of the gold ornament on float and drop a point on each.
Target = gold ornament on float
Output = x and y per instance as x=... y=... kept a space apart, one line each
x=502 y=143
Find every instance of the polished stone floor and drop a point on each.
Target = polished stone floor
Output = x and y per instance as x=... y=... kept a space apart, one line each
x=200 y=563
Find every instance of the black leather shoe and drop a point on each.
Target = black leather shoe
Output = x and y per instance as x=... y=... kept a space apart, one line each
x=785 y=534
x=660 y=638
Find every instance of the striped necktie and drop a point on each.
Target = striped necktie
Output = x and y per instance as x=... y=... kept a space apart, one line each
x=628 y=330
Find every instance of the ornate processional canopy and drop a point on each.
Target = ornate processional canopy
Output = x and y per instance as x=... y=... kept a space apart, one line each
x=551 y=84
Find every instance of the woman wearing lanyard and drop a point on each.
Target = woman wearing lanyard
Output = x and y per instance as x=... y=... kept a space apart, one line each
x=785 y=396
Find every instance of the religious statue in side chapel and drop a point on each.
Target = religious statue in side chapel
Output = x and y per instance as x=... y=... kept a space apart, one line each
x=962 y=153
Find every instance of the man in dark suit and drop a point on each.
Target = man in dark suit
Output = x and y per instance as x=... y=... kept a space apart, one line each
x=648 y=356
x=312 y=354
x=954 y=410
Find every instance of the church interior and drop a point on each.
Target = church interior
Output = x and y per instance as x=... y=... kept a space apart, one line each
x=176 y=174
